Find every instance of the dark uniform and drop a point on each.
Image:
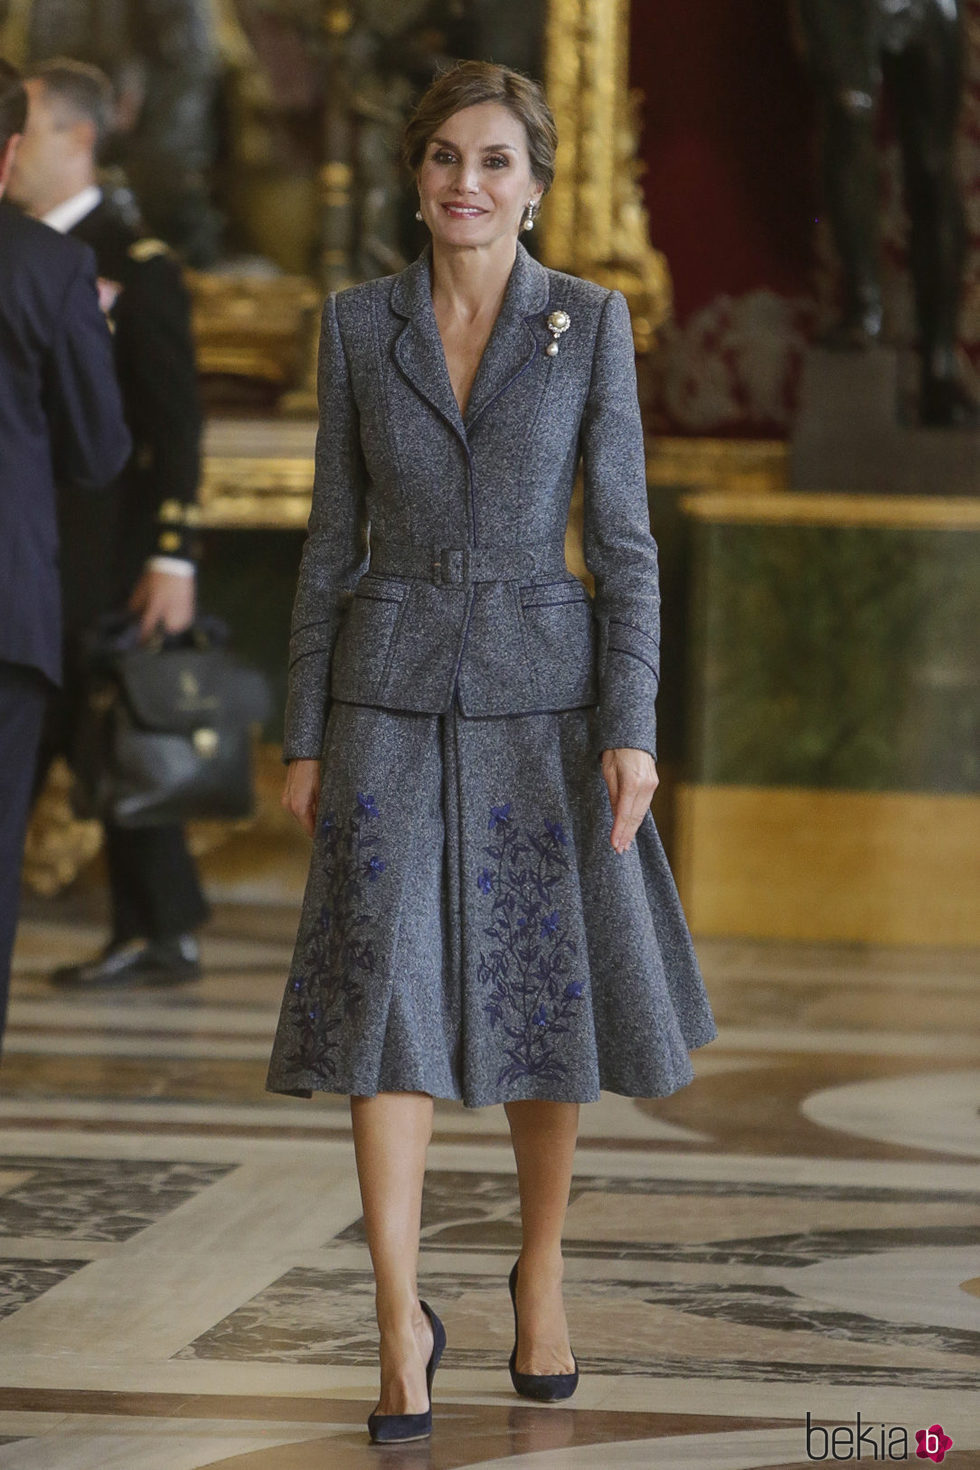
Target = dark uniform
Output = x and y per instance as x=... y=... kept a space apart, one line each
x=150 y=510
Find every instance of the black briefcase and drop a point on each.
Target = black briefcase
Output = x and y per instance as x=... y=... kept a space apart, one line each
x=166 y=731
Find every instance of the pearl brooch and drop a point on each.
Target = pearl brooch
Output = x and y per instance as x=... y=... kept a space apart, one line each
x=557 y=323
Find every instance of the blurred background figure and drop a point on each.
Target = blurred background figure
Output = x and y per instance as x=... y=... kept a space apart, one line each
x=163 y=61
x=60 y=414
x=916 y=47
x=137 y=553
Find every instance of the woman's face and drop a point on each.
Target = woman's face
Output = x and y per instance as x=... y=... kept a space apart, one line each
x=475 y=180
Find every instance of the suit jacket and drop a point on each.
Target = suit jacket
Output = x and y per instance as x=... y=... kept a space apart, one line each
x=147 y=509
x=434 y=564
x=60 y=417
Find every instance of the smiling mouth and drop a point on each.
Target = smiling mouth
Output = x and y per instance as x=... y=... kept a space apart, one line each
x=463 y=211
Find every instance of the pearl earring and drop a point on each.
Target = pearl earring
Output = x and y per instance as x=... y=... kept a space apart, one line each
x=527 y=223
x=418 y=214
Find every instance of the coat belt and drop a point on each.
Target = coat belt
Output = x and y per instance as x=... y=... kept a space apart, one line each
x=459 y=565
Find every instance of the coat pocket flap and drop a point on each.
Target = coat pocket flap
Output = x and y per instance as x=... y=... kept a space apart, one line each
x=553 y=594
x=375 y=588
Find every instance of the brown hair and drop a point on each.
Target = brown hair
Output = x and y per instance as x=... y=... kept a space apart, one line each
x=83 y=90
x=468 y=83
x=13 y=103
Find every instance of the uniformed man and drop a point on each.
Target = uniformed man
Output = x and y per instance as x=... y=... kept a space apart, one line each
x=139 y=551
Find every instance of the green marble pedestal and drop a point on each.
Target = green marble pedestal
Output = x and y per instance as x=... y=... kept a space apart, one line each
x=833 y=755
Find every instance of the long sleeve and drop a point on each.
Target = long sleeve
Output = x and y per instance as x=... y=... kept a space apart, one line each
x=336 y=547
x=158 y=370
x=619 y=549
x=89 y=439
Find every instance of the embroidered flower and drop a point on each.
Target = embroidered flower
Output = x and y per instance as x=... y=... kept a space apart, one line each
x=530 y=995
x=337 y=948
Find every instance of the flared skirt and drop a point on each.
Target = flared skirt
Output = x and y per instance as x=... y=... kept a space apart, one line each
x=467 y=929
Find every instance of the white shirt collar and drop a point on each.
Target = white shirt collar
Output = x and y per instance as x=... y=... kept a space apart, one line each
x=66 y=215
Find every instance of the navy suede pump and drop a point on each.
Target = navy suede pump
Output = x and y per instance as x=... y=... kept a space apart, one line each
x=547 y=1388
x=390 y=1428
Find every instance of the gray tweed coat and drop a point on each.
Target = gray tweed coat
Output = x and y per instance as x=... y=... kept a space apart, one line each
x=467 y=929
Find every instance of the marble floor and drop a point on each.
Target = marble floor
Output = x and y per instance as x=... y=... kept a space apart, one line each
x=788 y=1246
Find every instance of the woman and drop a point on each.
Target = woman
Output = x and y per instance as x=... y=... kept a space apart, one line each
x=470 y=736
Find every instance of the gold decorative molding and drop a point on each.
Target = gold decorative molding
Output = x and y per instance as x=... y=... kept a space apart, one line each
x=759 y=466
x=595 y=224
x=809 y=508
x=256 y=494
x=857 y=867
x=253 y=326
x=257 y=473
x=58 y=844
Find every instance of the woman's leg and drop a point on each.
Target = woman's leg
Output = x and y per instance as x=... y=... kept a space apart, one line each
x=391 y=1135
x=543 y=1135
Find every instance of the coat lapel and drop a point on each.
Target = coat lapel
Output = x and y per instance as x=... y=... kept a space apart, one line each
x=512 y=345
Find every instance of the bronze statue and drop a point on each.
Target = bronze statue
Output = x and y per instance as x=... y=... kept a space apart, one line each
x=915 y=48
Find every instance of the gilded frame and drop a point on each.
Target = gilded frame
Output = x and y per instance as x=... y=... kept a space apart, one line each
x=594 y=222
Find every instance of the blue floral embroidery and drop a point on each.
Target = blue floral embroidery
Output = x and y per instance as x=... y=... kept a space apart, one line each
x=327 y=989
x=525 y=970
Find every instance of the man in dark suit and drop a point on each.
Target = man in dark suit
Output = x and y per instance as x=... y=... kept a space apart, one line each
x=60 y=416
x=141 y=555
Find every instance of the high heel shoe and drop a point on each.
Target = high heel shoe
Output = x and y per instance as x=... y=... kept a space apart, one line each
x=387 y=1428
x=545 y=1387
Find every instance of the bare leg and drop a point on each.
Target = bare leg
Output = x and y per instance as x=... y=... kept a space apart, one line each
x=543 y=1135
x=391 y=1135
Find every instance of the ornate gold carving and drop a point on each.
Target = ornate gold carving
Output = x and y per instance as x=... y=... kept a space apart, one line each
x=58 y=846
x=760 y=466
x=814 y=508
x=595 y=224
x=254 y=327
x=250 y=494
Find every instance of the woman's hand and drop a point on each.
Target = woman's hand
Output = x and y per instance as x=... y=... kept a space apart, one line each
x=631 y=776
x=301 y=792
